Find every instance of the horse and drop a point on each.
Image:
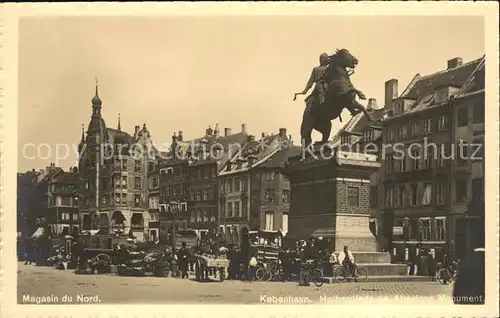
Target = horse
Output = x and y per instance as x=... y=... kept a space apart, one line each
x=340 y=94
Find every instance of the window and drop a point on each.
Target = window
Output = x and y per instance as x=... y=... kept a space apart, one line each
x=462 y=153
x=118 y=181
x=461 y=191
x=285 y=196
x=229 y=209
x=429 y=158
x=415 y=157
x=229 y=186
x=368 y=135
x=463 y=116
x=415 y=129
x=427 y=194
x=153 y=202
x=124 y=182
x=413 y=194
x=425 y=229
x=373 y=196
x=403 y=132
x=124 y=198
x=154 y=182
x=478 y=113
x=441 y=229
x=137 y=183
x=137 y=166
x=205 y=214
x=193 y=216
x=151 y=167
x=206 y=194
x=244 y=184
x=442 y=123
x=237 y=208
x=389 y=197
x=440 y=193
x=388 y=163
x=244 y=207
x=269 y=221
x=124 y=164
x=428 y=126
x=269 y=196
x=66 y=201
x=269 y=176
x=237 y=184
x=177 y=189
x=477 y=149
x=390 y=135
x=353 y=196
x=198 y=215
x=137 y=199
x=400 y=196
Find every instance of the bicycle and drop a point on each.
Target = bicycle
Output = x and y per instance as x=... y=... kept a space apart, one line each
x=341 y=273
x=273 y=272
x=446 y=275
x=311 y=271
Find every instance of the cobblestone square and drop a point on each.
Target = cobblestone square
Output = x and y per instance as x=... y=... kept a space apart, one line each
x=48 y=285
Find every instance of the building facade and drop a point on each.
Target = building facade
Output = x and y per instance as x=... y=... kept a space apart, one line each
x=467 y=179
x=253 y=192
x=419 y=182
x=50 y=198
x=114 y=167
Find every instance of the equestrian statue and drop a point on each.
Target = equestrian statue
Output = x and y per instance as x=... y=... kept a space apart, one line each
x=332 y=92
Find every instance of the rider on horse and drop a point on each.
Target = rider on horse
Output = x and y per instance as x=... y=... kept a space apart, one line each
x=332 y=93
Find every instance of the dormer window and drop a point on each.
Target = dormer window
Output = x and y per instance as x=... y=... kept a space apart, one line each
x=368 y=135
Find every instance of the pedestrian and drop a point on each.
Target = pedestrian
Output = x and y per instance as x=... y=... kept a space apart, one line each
x=184 y=260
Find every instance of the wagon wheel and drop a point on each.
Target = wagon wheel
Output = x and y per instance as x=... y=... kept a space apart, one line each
x=103 y=257
x=197 y=270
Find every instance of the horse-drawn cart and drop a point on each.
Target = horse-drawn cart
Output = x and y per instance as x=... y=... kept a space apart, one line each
x=205 y=264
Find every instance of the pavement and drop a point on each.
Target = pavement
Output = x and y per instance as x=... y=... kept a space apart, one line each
x=45 y=285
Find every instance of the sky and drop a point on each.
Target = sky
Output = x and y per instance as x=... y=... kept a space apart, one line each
x=188 y=73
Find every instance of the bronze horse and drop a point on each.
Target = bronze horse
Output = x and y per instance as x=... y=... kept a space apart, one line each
x=340 y=93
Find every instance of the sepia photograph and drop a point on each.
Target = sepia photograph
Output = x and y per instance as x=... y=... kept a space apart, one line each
x=252 y=159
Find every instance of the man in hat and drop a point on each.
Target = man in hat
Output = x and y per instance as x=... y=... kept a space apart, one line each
x=347 y=260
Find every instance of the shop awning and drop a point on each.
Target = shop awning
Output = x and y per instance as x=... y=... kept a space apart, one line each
x=38 y=233
x=91 y=232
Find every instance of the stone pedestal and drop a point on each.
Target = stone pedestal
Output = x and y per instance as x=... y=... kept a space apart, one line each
x=330 y=193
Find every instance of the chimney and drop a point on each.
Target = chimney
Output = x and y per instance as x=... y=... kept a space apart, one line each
x=136 y=130
x=391 y=93
x=263 y=135
x=75 y=170
x=455 y=62
x=244 y=128
x=179 y=137
x=372 y=104
x=33 y=170
x=227 y=131
x=251 y=138
x=174 y=137
x=282 y=132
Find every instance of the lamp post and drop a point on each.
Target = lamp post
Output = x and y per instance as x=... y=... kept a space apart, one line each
x=406 y=223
